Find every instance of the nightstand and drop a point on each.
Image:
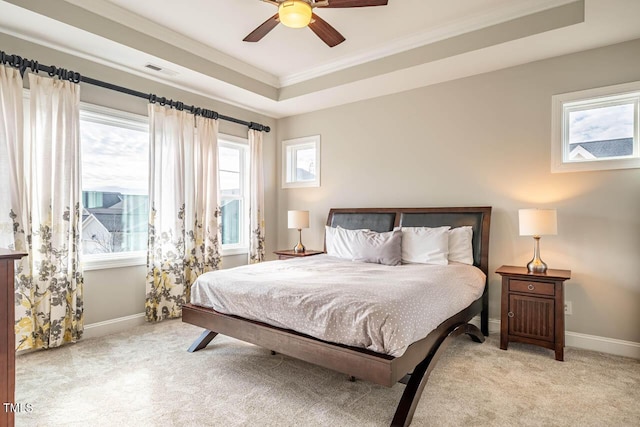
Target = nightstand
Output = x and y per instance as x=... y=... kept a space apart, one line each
x=533 y=308
x=289 y=253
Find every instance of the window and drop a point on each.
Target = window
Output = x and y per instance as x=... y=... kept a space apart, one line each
x=301 y=162
x=115 y=164
x=115 y=176
x=233 y=165
x=596 y=129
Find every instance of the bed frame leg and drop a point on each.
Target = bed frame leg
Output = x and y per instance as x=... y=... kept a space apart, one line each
x=484 y=314
x=418 y=379
x=203 y=340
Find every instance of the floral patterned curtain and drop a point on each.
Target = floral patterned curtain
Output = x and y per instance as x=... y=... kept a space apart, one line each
x=256 y=198
x=45 y=210
x=184 y=231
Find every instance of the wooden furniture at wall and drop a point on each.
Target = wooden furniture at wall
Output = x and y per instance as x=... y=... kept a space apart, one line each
x=289 y=253
x=7 y=334
x=419 y=358
x=533 y=308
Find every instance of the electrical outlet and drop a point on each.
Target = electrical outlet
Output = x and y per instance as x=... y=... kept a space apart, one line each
x=568 y=308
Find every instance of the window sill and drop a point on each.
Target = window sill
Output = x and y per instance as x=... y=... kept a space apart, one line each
x=102 y=262
x=234 y=251
x=133 y=259
x=595 y=165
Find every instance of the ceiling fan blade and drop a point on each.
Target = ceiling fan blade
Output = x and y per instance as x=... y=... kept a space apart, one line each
x=262 y=30
x=326 y=32
x=356 y=3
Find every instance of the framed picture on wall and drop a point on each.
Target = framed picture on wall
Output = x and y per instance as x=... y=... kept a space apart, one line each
x=301 y=162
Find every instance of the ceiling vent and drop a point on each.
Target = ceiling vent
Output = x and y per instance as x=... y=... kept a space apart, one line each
x=161 y=70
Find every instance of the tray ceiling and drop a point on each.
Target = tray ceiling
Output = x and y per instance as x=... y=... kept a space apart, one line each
x=401 y=46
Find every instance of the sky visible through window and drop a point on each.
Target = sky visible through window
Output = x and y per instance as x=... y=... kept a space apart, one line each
x=601 y=124
x=229 y=165
x=114 y=159
x=305 y=160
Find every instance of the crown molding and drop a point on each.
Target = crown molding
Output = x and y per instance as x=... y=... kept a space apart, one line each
x=139 y=23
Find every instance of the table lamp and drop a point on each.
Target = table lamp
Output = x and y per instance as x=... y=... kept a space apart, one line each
x=536 y=223
x=299 y=220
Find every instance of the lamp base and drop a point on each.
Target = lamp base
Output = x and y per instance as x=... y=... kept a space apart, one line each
x=536 y=265
x=299 y=248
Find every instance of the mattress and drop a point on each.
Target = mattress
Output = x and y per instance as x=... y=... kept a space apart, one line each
x=381 y=308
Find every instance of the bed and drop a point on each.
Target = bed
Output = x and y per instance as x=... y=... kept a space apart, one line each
x=415 y=361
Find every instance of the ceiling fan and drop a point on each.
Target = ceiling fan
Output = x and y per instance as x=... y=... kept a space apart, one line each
x=299 y=14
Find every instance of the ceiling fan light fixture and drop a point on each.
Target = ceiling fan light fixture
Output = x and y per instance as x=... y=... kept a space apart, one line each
x=295 y=13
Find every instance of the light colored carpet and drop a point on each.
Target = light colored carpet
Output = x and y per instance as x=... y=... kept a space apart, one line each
x=147 y=378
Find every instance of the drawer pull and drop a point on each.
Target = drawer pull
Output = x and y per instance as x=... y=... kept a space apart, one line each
x=510 y=314
x=532 y=287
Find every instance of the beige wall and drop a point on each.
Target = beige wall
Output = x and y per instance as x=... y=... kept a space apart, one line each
x=485 y=140
x=119 y=292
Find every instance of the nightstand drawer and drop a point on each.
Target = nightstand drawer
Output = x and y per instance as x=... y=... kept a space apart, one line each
x=531 y=287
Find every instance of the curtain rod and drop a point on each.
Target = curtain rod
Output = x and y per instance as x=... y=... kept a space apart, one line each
x=23 y=64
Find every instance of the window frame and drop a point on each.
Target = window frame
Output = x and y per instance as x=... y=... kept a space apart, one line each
x=564 y=104
x=235 y=142
x=305 y=142
x=128 y=120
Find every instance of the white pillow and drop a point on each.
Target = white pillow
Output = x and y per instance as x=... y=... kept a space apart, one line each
x=425 y=245
x=460 y=247
x=365 y=245
x=339 y=241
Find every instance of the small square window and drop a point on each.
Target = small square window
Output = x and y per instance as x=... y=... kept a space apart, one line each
x=301 y=162
x=596 y=129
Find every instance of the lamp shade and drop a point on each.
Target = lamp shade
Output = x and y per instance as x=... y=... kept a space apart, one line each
x=298 y=219
x=295 y=13
x=538 y=222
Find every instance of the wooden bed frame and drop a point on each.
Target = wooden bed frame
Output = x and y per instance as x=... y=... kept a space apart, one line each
x=415 y=365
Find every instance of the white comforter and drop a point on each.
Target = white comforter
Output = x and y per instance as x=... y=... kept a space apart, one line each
x=378 y=307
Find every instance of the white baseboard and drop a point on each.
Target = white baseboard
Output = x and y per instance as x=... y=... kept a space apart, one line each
x=603 y=344
x=584 y=341
x=112 y=326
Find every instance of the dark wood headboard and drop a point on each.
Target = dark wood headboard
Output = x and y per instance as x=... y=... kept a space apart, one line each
x=385 y=219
